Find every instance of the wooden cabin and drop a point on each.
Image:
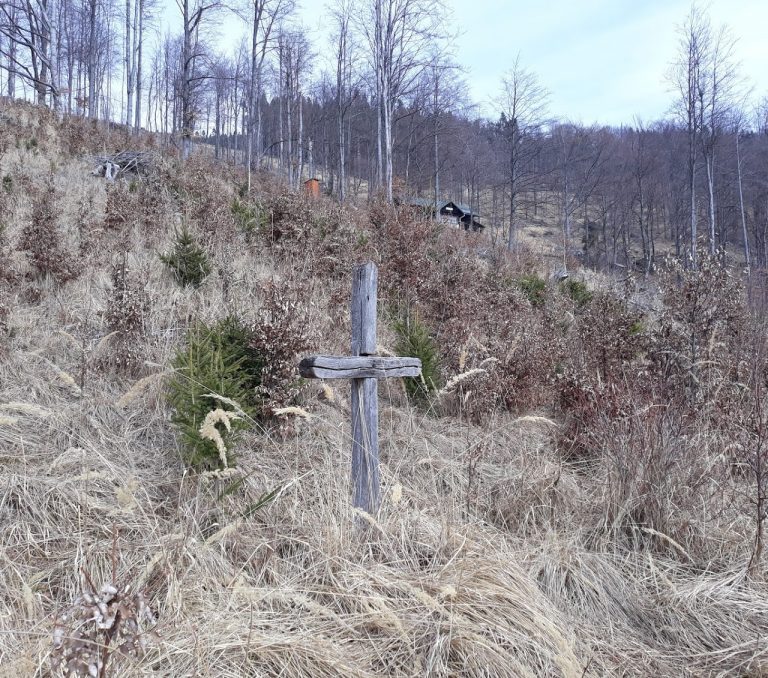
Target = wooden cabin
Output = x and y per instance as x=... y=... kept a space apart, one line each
x=448 y=212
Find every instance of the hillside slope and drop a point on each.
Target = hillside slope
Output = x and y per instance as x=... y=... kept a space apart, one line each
x=568 y=503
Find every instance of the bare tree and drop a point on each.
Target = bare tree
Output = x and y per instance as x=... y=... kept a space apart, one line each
x=30 y=26
x=192 y=52
x=144 y=17
x=688 y=76
x=522 y=105
x=444 y=91
x=401 y=36
x=266 y=15
x=716 y=95
x=10 y=31
x=737 y=130
x=344 y=50
x=294 y=58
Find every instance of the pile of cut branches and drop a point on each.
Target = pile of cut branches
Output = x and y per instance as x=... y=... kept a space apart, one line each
x=138 y=163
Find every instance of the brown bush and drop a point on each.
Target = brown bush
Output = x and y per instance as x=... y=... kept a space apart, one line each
x=290 y=221
x=155 y=208
x=407 y=250
x=701 y=343
x=122 y=206
x=79 y=136
x=280 y=333
x=42 y=240
x=88 y=226
x=126 y=308
x=205 y=200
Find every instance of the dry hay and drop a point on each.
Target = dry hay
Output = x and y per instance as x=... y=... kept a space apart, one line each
x=296 y=589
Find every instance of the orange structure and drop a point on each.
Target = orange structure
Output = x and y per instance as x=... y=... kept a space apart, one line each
x=312 y=188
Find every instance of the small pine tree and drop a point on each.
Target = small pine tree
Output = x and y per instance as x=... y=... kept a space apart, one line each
x=250 y=219
x=414 y=340
x=534 y=288
x=577 y=291
x=214 y=360
x=189 y=262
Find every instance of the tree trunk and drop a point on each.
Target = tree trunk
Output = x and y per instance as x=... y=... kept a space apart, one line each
x=187 y=116
x=388 y=143
x=744 y=232
x=128 y=65
x=139 y=34
x=436 y=147
x=12 y=58
x=710 y=162
x=300 y=141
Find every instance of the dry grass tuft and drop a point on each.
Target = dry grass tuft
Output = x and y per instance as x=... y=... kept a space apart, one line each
x=208 y=430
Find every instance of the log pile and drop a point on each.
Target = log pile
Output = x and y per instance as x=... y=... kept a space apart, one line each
x=137 y=163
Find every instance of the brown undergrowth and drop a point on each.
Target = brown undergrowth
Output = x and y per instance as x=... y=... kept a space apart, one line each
x=582 y=493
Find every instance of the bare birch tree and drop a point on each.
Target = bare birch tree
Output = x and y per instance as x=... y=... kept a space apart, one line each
x=344 y=50
x=265 y=17
x=688 y=77
x=522 y=105
x=716 y=95
x=401 y=36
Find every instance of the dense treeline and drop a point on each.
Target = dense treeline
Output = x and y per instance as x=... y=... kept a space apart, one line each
x=386 y=111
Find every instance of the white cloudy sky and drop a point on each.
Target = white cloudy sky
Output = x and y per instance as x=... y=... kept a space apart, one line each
x=602 y=60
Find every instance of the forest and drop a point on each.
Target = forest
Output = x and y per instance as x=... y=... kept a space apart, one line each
x=381 y=106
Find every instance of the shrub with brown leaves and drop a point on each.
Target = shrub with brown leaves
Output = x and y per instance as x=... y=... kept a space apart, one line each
x=121 y=209
x=204 y=199
x=702 y=342
x=42 y=239
x=155 y=208
x=281 y=332
x=88 y=226
x=290 y=220
x=126 y=309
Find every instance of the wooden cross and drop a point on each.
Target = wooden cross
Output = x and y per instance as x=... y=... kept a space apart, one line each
x=364 y=368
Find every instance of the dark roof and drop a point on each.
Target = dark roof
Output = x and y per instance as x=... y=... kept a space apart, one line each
x=427 y=204
x=460 y=206
x=475 y=223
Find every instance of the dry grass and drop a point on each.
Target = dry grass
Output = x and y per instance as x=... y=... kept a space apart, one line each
x=490 y=557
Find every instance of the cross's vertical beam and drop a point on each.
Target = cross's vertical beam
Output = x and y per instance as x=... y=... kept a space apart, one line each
x=364 y=401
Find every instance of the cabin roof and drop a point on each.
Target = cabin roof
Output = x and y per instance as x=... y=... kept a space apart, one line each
x=427 y=204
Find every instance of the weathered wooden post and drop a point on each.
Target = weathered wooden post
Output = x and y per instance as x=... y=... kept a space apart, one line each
x=364 y=368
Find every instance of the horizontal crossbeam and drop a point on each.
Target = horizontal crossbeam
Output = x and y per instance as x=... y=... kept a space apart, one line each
x=363 y=367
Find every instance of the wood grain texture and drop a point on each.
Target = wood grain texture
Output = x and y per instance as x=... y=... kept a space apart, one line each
x=366 y=481
x=364 y=283
x=363 y=367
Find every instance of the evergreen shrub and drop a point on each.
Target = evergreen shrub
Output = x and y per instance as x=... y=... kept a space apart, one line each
x=415 y=340
x=212 y=392
x=188 y=261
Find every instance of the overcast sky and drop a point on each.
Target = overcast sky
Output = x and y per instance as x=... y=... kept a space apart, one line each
x=602 y=60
